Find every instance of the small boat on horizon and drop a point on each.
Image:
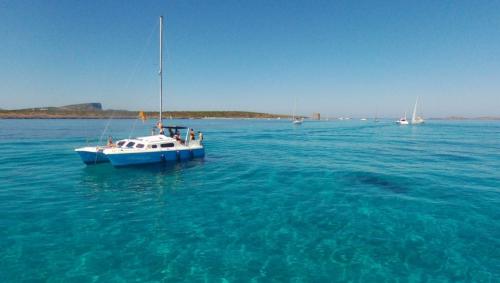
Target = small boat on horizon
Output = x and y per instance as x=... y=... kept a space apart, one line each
x=402 y=120
x=415 y=120
x=296 y=120
x=376 y=120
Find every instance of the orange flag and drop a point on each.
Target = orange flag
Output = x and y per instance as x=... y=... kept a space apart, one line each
x=142 y=116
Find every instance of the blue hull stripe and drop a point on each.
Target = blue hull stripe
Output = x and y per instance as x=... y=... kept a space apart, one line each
x=154 y=157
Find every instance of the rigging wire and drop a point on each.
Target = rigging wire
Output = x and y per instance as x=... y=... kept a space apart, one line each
x=133 y=128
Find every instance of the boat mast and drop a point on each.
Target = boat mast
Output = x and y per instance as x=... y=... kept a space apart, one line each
x=161 y=67
x=414 y=116
x=294 y=109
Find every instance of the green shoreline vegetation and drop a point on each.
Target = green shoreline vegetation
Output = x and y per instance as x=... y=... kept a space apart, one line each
x=95 y=111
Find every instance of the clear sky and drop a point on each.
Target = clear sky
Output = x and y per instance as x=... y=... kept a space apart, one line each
x=340 y=58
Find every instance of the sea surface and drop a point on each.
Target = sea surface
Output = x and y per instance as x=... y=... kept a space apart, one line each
x=331 y=201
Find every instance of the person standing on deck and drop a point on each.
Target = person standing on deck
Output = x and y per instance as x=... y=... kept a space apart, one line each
x=160 y=126
x=191 y=135
x=110 y=141
x=200 y=137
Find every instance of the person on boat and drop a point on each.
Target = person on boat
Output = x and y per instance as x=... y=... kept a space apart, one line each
x=200 y=136
x=191 y=135
x=170 y=132
x=160 y=126
x=110 y=142
x=177 y=137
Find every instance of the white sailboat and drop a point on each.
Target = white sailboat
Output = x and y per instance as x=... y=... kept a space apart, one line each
x=296 y=120
x=160 y=147
x=402 y=120
x=415 y=120
x=156 y=148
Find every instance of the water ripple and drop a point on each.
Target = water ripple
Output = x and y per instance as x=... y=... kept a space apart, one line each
x=324 y=202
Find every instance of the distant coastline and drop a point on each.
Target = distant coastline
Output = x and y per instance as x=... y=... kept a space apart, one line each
x=95 y=111
x=459 y=118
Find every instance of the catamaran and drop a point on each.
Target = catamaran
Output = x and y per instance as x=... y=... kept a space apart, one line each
x=415 y=120
x=92 y=154
x=156 y=148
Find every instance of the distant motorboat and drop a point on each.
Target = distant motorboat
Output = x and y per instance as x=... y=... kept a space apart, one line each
x=297 y=121
x=363 y=119
x=402 y=120
x=415 y=120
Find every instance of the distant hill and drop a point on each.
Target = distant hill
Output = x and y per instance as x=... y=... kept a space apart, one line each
x=94 y=106
x=95 y=111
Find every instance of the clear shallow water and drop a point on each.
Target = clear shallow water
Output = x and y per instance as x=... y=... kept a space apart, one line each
x=323 y=202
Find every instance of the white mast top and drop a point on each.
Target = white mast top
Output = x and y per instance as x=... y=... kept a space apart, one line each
x=161 y=67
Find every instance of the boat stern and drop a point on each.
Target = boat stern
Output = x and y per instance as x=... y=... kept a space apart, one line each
x=92 y=155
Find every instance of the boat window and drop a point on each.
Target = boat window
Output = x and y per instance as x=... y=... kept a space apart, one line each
x=153 y=146
x=120 y=143
x=167 y=145
x=139 y=145
x=130 y=144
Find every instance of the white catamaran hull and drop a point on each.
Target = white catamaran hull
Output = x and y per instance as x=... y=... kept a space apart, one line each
x=92 y=154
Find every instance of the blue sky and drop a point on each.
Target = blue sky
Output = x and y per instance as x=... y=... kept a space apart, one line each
x=340 y=58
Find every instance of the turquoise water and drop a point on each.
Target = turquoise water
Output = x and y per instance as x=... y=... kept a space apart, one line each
x=323 y=202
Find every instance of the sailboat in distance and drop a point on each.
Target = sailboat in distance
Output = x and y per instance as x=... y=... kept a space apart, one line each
x=415 y=120
x=402 y=120
x=296 y=120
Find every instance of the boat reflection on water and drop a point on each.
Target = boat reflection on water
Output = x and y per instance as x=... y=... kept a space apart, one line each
x=137 y=178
